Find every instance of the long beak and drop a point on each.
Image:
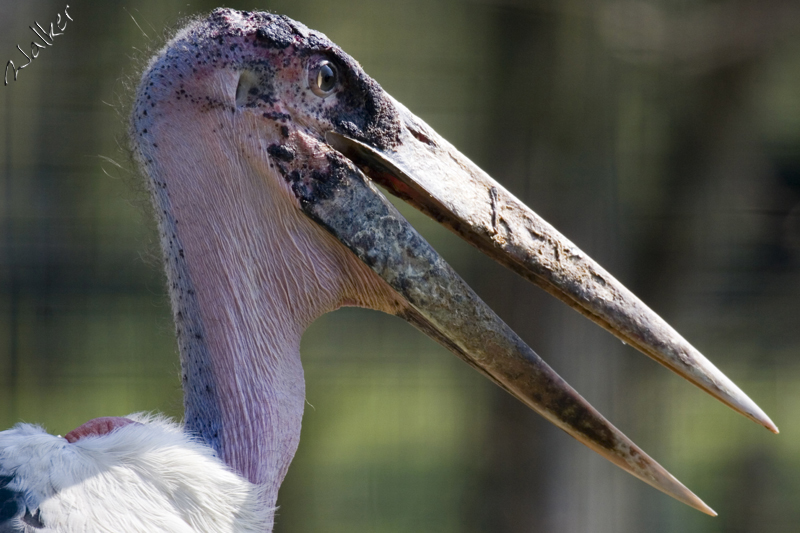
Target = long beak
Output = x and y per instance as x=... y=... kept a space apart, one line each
x=429 y=173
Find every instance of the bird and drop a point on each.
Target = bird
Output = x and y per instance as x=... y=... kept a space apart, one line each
x=262 y=143
x=135 y=473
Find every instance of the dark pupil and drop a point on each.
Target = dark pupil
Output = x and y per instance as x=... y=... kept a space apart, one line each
x=326 y=77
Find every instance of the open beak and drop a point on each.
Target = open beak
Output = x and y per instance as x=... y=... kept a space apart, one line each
x=426 y=171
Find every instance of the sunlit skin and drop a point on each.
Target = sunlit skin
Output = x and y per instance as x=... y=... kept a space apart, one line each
x=260 y=139
x=254 y=131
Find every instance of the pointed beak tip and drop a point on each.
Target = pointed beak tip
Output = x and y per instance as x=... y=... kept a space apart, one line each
x=432 y=188
x=697 y=503
x=740 y=402
x=761 y=418
x=668 y=484
x=708 y=510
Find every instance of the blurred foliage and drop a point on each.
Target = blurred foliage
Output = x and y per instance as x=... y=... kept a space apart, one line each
x=662 y=137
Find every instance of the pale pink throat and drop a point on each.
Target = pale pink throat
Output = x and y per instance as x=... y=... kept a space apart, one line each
x=247 y=271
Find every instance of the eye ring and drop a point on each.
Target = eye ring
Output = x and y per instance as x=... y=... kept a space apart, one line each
x=323 y=78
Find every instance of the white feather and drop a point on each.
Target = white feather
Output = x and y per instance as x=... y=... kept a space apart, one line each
x=148 y=477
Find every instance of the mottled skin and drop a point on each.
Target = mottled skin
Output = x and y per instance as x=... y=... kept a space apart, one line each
x=267 y=222
x=257 y=136
x=247 y=271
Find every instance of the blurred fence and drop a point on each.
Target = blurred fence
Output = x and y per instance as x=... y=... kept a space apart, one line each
x=663 y=138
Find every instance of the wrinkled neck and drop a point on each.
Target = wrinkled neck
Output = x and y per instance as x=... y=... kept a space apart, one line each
x=247 y=273
x=239 y=318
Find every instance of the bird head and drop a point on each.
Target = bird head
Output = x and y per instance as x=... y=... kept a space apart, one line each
x=255 y=130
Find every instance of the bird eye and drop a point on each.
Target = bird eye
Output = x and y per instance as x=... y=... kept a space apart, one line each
x=323 y=78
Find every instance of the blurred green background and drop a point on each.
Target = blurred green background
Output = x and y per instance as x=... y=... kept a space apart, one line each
x=663 y=137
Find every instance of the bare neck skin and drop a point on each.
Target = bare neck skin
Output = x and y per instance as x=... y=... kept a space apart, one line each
x=247 y=273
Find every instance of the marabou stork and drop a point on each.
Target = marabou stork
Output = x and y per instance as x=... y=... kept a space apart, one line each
x=262 y=141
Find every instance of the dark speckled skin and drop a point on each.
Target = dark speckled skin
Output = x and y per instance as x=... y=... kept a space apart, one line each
x=269 y=60
x=273 y=51
x=271 y=56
